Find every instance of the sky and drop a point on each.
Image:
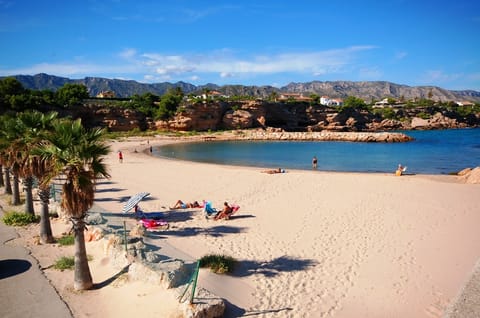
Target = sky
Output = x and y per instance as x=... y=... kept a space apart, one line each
x=267 y=42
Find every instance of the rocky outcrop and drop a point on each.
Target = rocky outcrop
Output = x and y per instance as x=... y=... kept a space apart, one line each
x=305 y=117
x=438 y=121
x=299 y=116
x=198 y=117
x=113 y=118
x=237 y=119
x=321 y=136
x=470 y=175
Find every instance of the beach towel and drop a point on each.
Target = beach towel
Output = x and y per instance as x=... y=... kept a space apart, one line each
x=151 y=223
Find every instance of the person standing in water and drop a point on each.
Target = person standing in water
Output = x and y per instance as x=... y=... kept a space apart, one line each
x=314 y=162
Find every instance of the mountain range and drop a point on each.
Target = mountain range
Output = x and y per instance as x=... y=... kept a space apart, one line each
x=367 y=90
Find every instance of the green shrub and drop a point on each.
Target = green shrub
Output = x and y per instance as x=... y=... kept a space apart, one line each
x=19 y=219
x=65 y=262
x=219 y=264
x=66 y=240
x=423 y=115
x=68 y=262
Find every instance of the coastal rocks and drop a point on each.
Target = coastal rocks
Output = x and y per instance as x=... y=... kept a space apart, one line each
x=386 y=124
x=470 y=175
x=437 y=121
x=323 y=136
x=198 y=117
x=114 y=118
x=238 y=119
x=210 y=307
x=289 y=116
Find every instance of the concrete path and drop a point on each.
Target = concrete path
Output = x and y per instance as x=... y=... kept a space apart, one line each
x=24 y=290
x=467 y=304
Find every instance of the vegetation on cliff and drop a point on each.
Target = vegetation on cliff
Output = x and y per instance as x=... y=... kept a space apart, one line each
x=175 y=111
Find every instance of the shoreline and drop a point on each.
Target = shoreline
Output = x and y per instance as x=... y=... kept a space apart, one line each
x=175 y=140
x=323 y=244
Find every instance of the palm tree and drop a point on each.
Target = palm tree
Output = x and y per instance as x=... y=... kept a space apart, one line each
x=76 y=154
x=24 y=130
x=2 y=181
x=7 y=134
x=36 y=126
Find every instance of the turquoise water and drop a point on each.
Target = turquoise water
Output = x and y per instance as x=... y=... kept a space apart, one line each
x=432 y=152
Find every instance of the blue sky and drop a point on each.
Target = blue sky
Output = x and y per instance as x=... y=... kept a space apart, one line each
x=411 y=42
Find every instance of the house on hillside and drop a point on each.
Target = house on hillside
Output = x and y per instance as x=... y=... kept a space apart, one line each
x=381 y=104
x=327 y=101
x=212 y=95
x=106 y=94
x=464 y=103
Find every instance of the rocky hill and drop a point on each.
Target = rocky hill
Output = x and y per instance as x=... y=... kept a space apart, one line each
x=337 y=89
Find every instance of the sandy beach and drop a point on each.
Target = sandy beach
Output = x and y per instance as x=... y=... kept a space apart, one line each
x=309 y=243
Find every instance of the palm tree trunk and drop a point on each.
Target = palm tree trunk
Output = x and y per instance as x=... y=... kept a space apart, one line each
x=28 y=183
x=16 y=190
x=2 y=181
x=82 y=276
x=46 y=235
x=8 y=183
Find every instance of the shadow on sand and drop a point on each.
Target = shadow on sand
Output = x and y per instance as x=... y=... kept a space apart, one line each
x=111 y=279
x=272 y=268
x=216 y=231
x=233 y=311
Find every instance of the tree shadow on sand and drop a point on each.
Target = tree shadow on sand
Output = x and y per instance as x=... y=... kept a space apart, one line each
x=272 y=268
x=110 y=280
x=232 y=311
x=216 y=231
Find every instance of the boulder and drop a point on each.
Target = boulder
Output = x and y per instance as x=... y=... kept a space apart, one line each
x=472 y=176
x=238 y=119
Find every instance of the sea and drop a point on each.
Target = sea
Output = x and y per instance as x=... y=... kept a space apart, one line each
x=431 y=152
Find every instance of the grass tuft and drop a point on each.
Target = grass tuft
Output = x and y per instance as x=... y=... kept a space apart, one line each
x=66 y=240
x=19 y=219
x=64 y=262
x=219 y=264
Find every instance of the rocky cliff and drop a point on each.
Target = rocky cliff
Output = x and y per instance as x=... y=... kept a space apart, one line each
x=300 y=117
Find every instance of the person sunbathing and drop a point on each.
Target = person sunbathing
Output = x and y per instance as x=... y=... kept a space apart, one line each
x=225 y=213
x=279 y=170
x=185 y=205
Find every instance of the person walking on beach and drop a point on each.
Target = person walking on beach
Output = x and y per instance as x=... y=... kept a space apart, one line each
x=314 y=162
x=120 y=156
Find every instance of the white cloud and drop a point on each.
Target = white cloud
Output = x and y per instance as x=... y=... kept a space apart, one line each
x=128 y=53
x=226 y=75
x=228 y=65
x=222 y=63
x=194 y=78
x=437 y=76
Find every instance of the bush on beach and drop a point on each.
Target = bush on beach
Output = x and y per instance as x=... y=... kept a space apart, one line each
x=219 y=264
x=65 y=262
x=66 y=240
x=14 y=218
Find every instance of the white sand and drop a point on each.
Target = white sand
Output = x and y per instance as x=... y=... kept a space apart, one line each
x=310 y=244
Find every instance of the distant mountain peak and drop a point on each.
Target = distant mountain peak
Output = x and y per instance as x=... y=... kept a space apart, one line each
x=367 y=90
